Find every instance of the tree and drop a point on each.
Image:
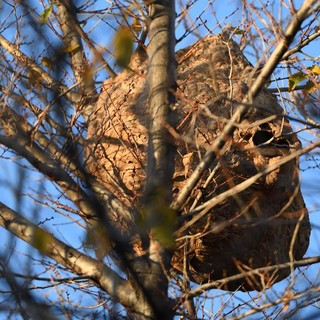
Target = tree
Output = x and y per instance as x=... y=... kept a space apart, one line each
x=167 y=171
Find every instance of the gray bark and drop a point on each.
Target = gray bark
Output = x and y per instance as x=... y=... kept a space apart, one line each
x=161 y=84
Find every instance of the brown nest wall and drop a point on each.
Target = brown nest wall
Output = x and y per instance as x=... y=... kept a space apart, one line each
x=265 y=224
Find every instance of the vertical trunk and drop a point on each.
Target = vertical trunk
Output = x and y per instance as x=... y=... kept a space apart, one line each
x=161 y=81
x=161 y=84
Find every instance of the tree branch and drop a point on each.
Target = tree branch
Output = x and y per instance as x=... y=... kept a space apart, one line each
x=43 y=162
x=301 y=45
x=51 y=161
x=67 y=256
x=162 y=82
x=71 y=38
x=219 y=283
x=160 y=167
x=73 y=34
x=254 y=90
x=207 y=206
x=41 y=75
x=79 y=63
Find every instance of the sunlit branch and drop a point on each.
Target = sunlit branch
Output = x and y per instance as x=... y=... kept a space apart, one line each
x=66 y=15
x=208 y=205
x=254 y=90
x=51 y=160
x=284 y=299
x=67 y=256
x=301 y=45
x=49 y=167
x=41 y=75
x=47 y=279
x=219 y=283
x=39 y=113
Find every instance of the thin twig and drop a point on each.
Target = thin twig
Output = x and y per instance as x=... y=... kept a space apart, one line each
x=254 y=90
x=65 y=255
x=207 y=206
x=301 y=45
x=219 y=283
x=42 y=75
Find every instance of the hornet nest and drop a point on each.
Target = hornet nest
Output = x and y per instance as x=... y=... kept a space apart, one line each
x=264 y=224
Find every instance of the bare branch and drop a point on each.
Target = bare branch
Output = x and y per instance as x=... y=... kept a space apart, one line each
x=72 y=40
x=207 y=206
x=162 y=81
x=45 y=160
x=49 y=167
x=301 y=45
x=74 y=33
x=219 y=283
x=257 y=85
x=30 y=65
x=67 y=256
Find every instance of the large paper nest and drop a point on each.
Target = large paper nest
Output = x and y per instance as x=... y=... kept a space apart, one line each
x=265 y=224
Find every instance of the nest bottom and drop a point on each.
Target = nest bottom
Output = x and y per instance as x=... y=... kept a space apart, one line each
x=217 y=248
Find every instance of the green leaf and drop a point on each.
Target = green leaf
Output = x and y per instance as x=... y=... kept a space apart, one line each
x=42 y=240
x=123 y=46
x=295 y=79
x=315 y=70
x=44 y=16
x=98 y=240
x=71 y=48
x=136 y=26
x=298 y=77
x=158 y=217
x=309 y=87
x=239 y=31
x=164 y=229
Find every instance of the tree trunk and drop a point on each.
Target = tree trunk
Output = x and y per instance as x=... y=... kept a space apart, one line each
x=160 y=167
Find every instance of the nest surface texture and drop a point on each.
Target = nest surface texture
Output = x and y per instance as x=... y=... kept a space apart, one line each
x=264 y=224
